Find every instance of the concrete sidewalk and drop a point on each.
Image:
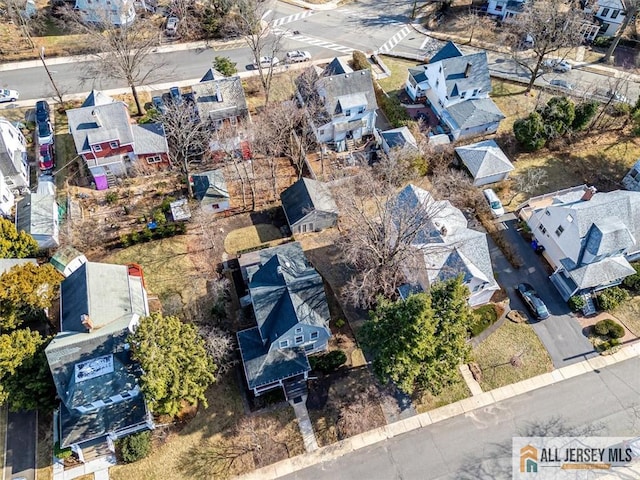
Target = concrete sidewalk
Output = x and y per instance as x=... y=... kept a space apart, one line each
x=462 y=407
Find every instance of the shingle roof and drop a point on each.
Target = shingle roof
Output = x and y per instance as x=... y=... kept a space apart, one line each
x=450 y=50
x=220 y=99
x=211 y=74
x=418 y=73
x=96 y=97
x=474 y=113
x=603 y=272
x=337 y=66
x=466 y=73
x=484 y=159
x=149 y=138
x=210 y=187
x=37 y=214
x=399 y=137
x=111 y=116
x=335 y=87
x=608 y=236
x=304 y=196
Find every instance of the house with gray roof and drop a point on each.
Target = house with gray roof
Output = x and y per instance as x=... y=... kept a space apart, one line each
x=37 y=215
x=631 y=180
x=457 y=88
x=343 y=104
x=210 y=188
x=485 y=161
x=95 y=376
x=220 y=100
x=111 y=144
x=292 y=321
x=445 y=246
x=7 y=264
x=309 y=206
x=397 y=138
x=589 y=237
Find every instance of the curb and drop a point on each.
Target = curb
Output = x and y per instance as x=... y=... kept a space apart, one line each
x=344 y=447
x=314 y=6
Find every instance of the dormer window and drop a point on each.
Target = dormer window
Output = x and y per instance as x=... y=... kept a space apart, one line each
x=361 y=110
x=97 y=148
x=347 y=113
x=463 y=94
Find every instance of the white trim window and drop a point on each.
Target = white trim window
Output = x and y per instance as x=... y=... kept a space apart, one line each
x=114 y=144
x=96 y=148
x=154 y=159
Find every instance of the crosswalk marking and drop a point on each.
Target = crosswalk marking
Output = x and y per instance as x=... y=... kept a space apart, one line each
x=292 y=18
x=266 y=14
x=393 y=41
x=318 y=42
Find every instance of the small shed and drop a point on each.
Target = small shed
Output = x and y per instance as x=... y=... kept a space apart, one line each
x=180 y=210
x=309 y=206
x=210 y=188
x=631 y=180
x=399 y=138
x=37 y=215
x=485 y=161
x=67 y=260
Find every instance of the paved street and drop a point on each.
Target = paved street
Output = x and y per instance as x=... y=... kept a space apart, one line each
x=21 y=445
x=477 y=445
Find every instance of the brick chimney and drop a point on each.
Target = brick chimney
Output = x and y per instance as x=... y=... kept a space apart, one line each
x=588 y=194
x=86 y=321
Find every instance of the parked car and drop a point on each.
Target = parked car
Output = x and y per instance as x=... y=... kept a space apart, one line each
x=176 y=95
x=617 y=96
x=557 y=65
x=158 y=104
x=46 y=158
x=42 y=111
x=266 y=62
x=494 y=202
x=7 y=95
x=172 y=26
x=561 y=84
x=533 y=301
x=296 y=56
x=45 y=133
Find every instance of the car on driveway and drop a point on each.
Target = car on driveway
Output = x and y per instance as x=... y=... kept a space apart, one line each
x=266 y=62
x=45 y=160
x=533 y=301
x=176 y=95
x=159 y=105
x=42 y=111
x=557 y=65
x=7 y=95
x=172 y=26
x=563 y=84
x=297 y=56
x=45 y=133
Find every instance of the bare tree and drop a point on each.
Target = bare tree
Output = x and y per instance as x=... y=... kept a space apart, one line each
x=529 y=182
x=124 y=51
x=219 y=344
x=15 y=11
x=473 y=21
x=552 y=25
x=630 y=10
x=225 y=142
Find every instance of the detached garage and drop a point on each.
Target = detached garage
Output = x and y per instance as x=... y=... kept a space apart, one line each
x=309 y=206
x=485 y=161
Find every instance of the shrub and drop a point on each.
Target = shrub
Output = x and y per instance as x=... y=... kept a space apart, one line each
x=225 y=66
x=359 y=61
x=530 y=132
x=612 y=297
x=125 y=240
x=620 y=109
x=558 y=114
x=159 y=217
x=165 y=206
x=576 y=303
x=602 y=42
x=339 y=323
x=632 y=282
x=111 y=197
x=62 y=453
x=483 y=318
x=585 y=112
x=135 y=447
x=146 y=235
x=392 y=108
x=609 y=328
x=328 y=362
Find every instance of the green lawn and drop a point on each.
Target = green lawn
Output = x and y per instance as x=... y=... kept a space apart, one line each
x=454 y=393
x=249 y=237
x=398 y=67
x=495 y=353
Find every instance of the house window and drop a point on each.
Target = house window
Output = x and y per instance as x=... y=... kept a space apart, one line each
x=542 y=229
x=569 y=218
x=437 y=82
x=559 y=230
x=547 y=212
x=314 y=335
x=463 y=94
x=321 y=132
x=440 y=69
x=155 y=159
x=498 y=8
x=475 y=92
x=299 y=330
x=635 y=174
x=605 y=12
x=615 y=13
x=97 y=148
x=284 y=343
x=361 y=110
x=347 y=113
x=299 y=339
x=113 y=144
x=308 y=348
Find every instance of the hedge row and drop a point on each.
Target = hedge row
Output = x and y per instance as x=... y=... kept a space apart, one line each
x=146 y=234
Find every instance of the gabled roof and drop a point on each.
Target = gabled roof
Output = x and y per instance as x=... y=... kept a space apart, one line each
x=149 y=138
x=599 y=273
x=112 y=119
x=37 y=214
x=221 y=98
x=305 y=196
x=96 y=97
x=450 y=50
x=210 y=187
x=467 y=72
x=211 y=74
x=399 y=138
x=337 y=66
x=608 y=236
x=335 y=88
x=418 y=73
x=484 y=159
x=474 y=113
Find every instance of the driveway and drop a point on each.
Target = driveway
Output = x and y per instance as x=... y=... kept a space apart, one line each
x=20 y=460
x=561 y=333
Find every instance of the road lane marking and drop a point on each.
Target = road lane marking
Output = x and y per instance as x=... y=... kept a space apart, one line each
x=318 y=42
x=266 y=14
x=292 y=18
x=393 y=41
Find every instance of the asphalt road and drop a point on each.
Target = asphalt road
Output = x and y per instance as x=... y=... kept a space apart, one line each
x=477 y=446
x=21 y=445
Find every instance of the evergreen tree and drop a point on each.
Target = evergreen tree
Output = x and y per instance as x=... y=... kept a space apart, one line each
x=14 y=243
x=15 y=348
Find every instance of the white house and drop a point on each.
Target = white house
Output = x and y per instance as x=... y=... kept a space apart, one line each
x=349 y=104
x=7 y=199
x=610 y=13
x=457 y=88
x=446 y=246
x=117 y=12
x=589 y=238
x=14 y=164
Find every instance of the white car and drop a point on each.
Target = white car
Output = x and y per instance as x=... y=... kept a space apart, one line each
x=494 y=202
x=172 y=26
x=556 y=65
x=297 y=56
x=561 y=84
x=9 y=95
x=266 y=62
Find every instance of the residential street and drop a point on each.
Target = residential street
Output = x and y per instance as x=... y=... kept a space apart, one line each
x=561 y=333
x=477 y=445
x=20 y=459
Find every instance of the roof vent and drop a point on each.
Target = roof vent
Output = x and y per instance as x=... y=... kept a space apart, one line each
x=279 y=270
x=96 y=116
x=443 y=231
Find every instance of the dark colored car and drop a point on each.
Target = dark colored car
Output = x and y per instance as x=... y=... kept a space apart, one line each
x=45 y=133
x=176 y=96
x=42 y=111
x=158 y=104
x=533 y=301
x=46 y=160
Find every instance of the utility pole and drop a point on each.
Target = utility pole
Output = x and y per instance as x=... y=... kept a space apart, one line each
x=55 y=87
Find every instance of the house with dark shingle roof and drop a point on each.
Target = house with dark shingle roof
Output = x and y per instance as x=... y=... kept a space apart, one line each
x=457 y=88
x=589 y=237
x=110 y=143
x=292 y=321
x=309 y=206
x=346 y=102
x=485 y=161
x=397 y=138
x=90 y=360
x=446 y=247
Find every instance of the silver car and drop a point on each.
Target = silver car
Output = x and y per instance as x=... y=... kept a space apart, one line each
x=557 y=82
x=7 y=95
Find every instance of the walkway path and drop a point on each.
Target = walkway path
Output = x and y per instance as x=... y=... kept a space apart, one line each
x=306 y=428
x=472 y=383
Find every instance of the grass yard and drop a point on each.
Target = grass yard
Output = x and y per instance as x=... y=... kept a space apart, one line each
x=495 y=353
x=398 y=67
x=456 y=392
x=253 y=236
x=512 y=101
x=629 y=314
